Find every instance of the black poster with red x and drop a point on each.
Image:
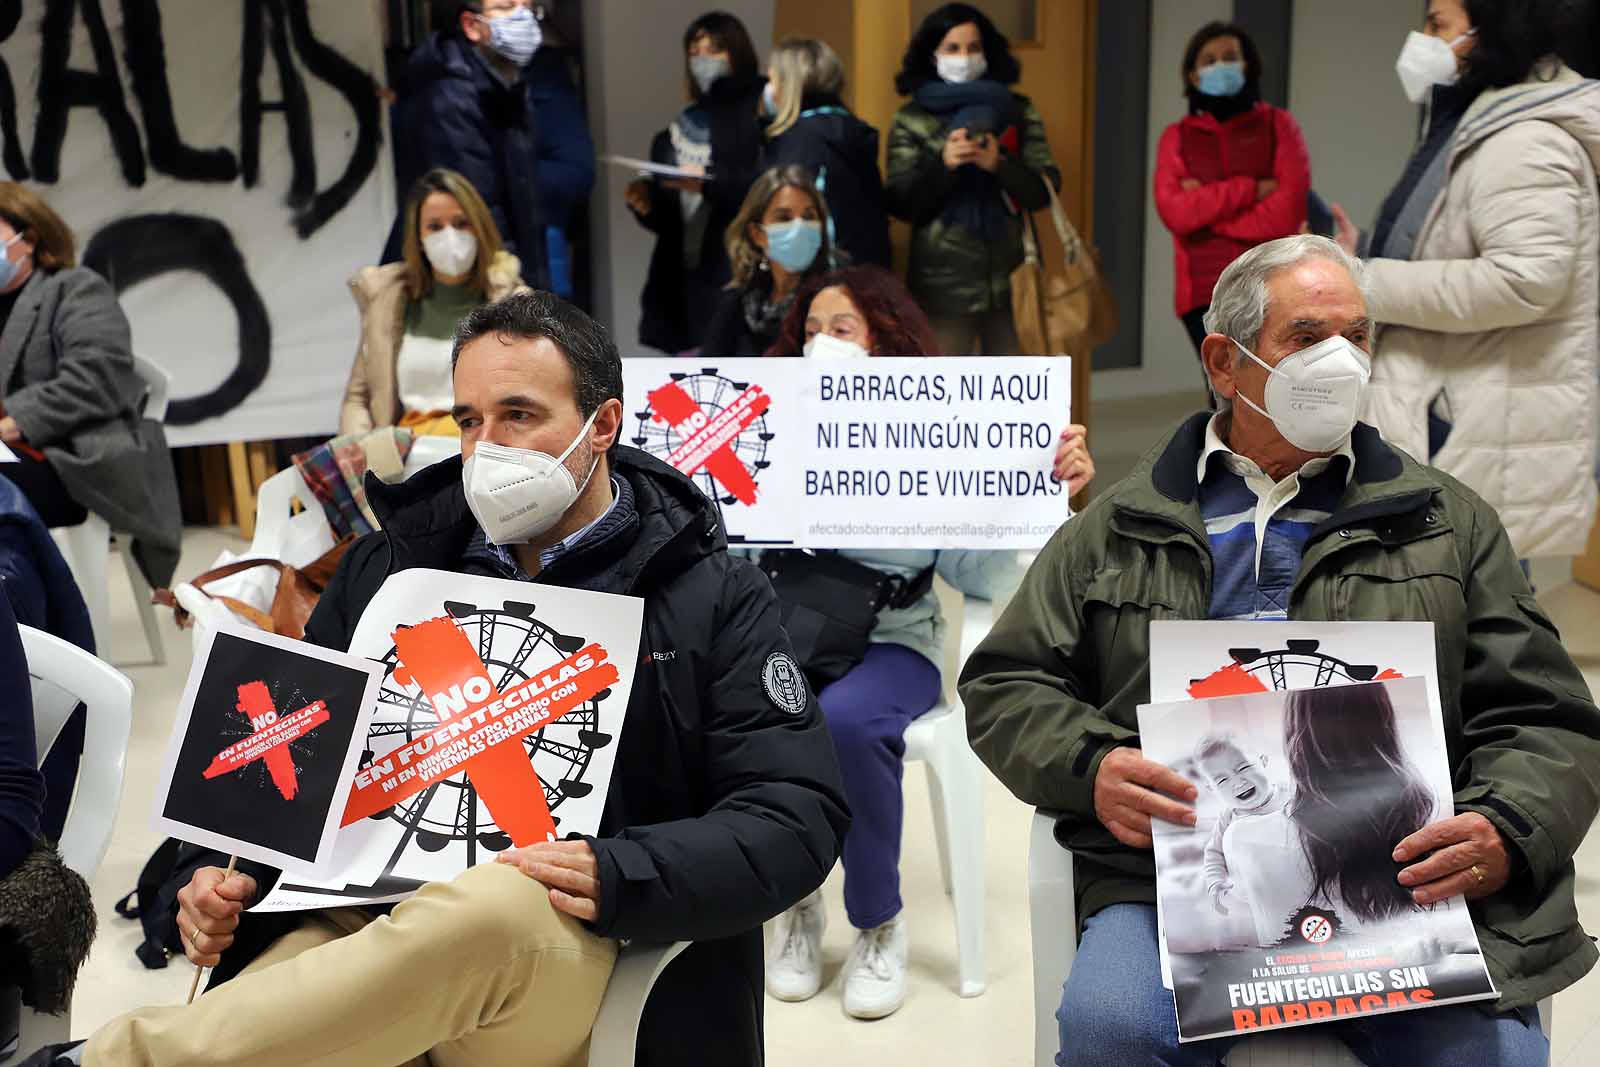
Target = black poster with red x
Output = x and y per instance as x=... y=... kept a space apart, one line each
x=264 y=746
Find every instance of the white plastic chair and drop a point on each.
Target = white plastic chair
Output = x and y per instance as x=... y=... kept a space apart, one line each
x=955 y=789
x=616 y=1028
x=87 y=546
x=428 y=450
x=1052 y=911
x=62 y=676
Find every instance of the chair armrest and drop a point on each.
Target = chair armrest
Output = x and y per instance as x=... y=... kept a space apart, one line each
x=616 y=1027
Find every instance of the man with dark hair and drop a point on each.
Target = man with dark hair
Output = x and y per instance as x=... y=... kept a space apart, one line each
x=725 y=806
x=467 y=103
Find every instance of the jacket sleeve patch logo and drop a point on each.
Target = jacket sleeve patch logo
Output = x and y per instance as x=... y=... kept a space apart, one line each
x=785 y=685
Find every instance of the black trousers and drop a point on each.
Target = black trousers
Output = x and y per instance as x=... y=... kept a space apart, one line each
x=43 y=487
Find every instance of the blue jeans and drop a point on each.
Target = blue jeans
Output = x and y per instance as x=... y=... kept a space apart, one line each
x=868 y=711
x=1115 y=1011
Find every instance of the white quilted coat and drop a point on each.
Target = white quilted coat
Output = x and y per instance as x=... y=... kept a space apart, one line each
x=1499 y=308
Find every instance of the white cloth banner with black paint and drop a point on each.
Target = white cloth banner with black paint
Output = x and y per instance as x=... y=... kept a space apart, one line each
x=225 y=166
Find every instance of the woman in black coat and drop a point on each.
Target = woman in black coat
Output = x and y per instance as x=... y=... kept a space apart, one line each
x=811 y=127
x=717 y=135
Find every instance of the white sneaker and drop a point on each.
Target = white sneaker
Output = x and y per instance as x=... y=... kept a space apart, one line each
x=875 y=975
x=794 y=955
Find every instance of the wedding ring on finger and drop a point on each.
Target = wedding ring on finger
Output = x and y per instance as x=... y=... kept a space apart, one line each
x=1477 y=872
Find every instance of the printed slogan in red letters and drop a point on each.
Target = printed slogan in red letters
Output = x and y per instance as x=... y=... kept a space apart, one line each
x=708 y=440
x=270 y=740
x=480 y=728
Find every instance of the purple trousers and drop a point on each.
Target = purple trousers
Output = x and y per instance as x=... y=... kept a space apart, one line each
x=868 y=711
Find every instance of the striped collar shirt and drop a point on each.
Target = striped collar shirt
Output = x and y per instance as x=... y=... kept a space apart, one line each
x=1258 y=527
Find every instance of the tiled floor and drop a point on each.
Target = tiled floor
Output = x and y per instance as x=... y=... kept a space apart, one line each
x=935 y=1027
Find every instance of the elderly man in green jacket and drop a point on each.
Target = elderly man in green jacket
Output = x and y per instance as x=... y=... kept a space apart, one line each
x=1350 y=529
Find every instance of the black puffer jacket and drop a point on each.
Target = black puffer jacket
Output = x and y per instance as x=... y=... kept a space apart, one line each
x=831 y=142
x=724 y=808
x=681 y=294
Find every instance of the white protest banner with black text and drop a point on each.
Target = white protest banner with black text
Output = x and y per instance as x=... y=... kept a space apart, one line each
x=878 y=453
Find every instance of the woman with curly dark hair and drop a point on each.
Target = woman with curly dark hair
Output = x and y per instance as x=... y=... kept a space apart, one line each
x=967 y=155
x=851 y=313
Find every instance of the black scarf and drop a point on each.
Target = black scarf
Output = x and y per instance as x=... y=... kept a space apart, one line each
x=977 y=203
x=1223 y=108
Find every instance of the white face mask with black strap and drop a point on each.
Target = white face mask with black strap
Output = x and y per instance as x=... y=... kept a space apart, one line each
x=1427 y=61
x=516 y=494
x=1313 y=396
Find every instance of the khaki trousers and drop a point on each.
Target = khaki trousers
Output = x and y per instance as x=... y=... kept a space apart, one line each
x=478 y=971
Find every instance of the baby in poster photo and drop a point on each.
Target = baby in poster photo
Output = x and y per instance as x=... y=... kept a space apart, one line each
x=1246 y=792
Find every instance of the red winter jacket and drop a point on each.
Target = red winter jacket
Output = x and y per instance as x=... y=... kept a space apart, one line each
x=1212 y=225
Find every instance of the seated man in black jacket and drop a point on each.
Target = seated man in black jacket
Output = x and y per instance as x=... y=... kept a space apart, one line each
x=725 y=805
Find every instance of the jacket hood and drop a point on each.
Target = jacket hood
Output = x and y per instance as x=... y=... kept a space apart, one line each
x=428 y=524
x=1554 y=93
x=439 y=57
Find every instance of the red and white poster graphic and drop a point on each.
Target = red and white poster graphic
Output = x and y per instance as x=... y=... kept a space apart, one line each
x=874 y=453
x=496 y=727
x=266 y=740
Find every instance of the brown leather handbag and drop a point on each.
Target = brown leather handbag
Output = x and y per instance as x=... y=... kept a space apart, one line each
x=1065 y=307
x=299 y=589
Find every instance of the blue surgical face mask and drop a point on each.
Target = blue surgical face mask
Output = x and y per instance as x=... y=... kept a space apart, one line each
x=1222 y=79
x=9 y=267
x=516 y=36
x=705 y=70
x=793 y=245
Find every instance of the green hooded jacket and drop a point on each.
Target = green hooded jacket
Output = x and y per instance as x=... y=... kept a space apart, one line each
x=1056 y=684
x=954 y=271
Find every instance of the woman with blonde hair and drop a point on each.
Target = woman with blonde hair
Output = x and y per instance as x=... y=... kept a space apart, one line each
x=70 y=399
x=452 y=260
x=810 y=127
x=778 y=240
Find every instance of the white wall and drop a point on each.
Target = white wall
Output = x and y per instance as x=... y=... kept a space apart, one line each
x=1358 y=128
x=1344 y=92
x=633 y=58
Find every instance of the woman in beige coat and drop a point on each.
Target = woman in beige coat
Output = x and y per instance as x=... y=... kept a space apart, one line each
x=1485 y=274
x=453 y=260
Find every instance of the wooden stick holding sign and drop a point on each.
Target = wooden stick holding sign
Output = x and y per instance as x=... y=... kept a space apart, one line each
x=263 y=751
x=194 y=986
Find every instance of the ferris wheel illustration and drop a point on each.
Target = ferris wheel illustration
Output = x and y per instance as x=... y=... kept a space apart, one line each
x=1300 y=664
x=713 y=393
x=514 y=645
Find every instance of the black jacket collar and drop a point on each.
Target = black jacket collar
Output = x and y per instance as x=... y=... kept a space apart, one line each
x=1174 y=472
x=428 y=524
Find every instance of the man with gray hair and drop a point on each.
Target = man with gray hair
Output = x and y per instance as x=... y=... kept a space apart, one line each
x=1283 y=506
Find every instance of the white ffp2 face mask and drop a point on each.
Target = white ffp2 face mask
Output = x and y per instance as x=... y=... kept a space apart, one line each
x=827 y=346
x=516 y=494
x=958 y=70
x=1427 y=61
x=1314 y=395
x=451 y=251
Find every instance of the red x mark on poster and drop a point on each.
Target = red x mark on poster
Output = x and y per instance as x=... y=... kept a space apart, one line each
x=481 y=729
x=270 y=740
x=707 y=440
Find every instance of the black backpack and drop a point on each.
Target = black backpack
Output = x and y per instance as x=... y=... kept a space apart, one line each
x=155 y=909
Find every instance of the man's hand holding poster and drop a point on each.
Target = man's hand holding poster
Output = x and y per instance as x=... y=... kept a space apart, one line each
x=265 y=744
x=879 y=453
x=1313 y=756
x=496 y=727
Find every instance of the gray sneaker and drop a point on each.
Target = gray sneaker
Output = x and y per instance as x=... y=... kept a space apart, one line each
x=794 y=953
x=875 y=975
